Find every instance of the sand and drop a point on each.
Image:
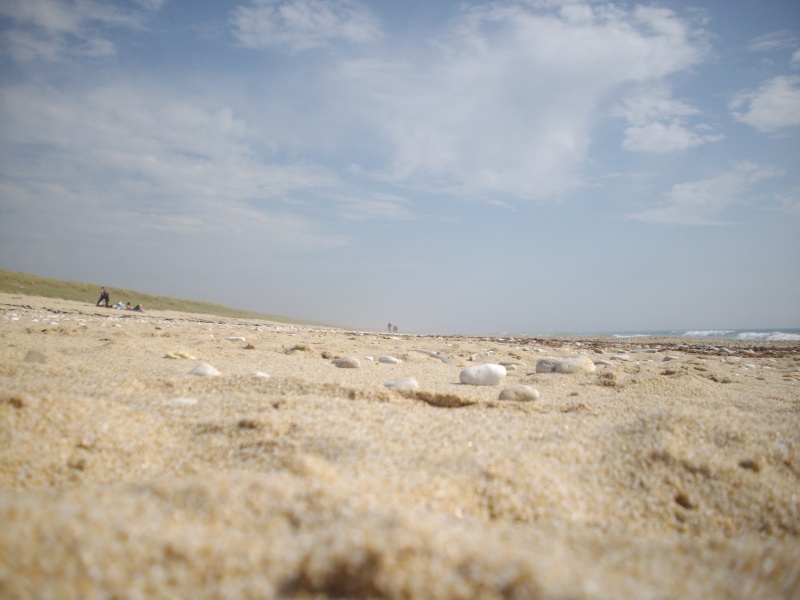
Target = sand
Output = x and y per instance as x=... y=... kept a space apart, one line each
x=123 y=476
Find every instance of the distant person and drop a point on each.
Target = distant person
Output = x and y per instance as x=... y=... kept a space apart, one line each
x=103 y=296
x=138 y=308
x=389 y=325
x=395 y=328
x=128 y=306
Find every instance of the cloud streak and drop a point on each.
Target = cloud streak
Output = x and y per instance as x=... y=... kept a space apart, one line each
x=297 y=25
x=702 y=202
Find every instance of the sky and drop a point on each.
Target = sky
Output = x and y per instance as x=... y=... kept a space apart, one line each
x=518 y=166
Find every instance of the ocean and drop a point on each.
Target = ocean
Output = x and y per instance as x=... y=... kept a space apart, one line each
x=765 y=335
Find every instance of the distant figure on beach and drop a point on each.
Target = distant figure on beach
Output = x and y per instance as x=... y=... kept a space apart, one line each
x=138 y=308
x=395 y=328
x=128 y=306
x=103 y=296
x=390 y=327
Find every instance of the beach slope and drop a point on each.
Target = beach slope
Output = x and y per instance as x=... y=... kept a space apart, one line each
x=168 y=454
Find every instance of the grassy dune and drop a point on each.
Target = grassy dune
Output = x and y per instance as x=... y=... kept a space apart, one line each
x=33 y=285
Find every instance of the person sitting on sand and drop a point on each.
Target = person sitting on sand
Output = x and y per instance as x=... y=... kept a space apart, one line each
x=128 y=306
x=103 y=296
x=138 y=308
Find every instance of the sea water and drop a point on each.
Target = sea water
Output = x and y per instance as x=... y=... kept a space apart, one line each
x=765 y=335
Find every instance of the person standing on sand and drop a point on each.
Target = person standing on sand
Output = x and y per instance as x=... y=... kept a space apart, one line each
x=390 y=327
x=103 y=296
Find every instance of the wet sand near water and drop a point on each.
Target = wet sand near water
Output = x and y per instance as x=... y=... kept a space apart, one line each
x=671 y=471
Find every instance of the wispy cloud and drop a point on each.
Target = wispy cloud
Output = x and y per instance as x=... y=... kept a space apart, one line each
x=53 y=30
x=703 y=202
x=775 y=40
x=297 y=25
x=658 y=123
x=187 y=168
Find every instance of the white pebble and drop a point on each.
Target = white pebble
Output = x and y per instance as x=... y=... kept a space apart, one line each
x=520 y=393
x=179 y=354
x=204 y=370
x=257 y=374
x=408 y=383
x=582 y=364
x=483 y=375
x=389 y=360
x=183 y=401
x=347 y=363
x=235 y=338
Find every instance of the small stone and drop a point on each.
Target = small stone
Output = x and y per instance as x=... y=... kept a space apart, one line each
x=183 y=401
x=519 y=393
x=389 y=360
x=604 y=363
x=347 y=363
x=444 y=359
x=621 y=357
x=669 y=357
x=483 y=375
x=581 y=364
x=34 y=357
x=407 y=383
x=235 y=338
x=204 y=370
x=179 y=354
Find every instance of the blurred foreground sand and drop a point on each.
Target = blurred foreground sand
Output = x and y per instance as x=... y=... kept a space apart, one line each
x=123 y=476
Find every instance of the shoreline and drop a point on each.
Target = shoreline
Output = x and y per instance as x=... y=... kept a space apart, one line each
x=692 y=343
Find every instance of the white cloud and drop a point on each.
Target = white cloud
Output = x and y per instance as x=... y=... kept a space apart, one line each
x=52 y=30
x=508 y=102
x=775 y=105
x=796 y=57
x=303 y=24
x=658 y=123
x=701 y=202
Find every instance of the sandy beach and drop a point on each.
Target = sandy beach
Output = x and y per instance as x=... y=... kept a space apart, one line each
x=670 y=471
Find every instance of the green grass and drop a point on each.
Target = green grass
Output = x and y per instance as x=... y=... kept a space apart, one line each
x=33 y=285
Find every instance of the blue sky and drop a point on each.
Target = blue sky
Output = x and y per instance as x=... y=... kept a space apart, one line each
x=457 y=167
